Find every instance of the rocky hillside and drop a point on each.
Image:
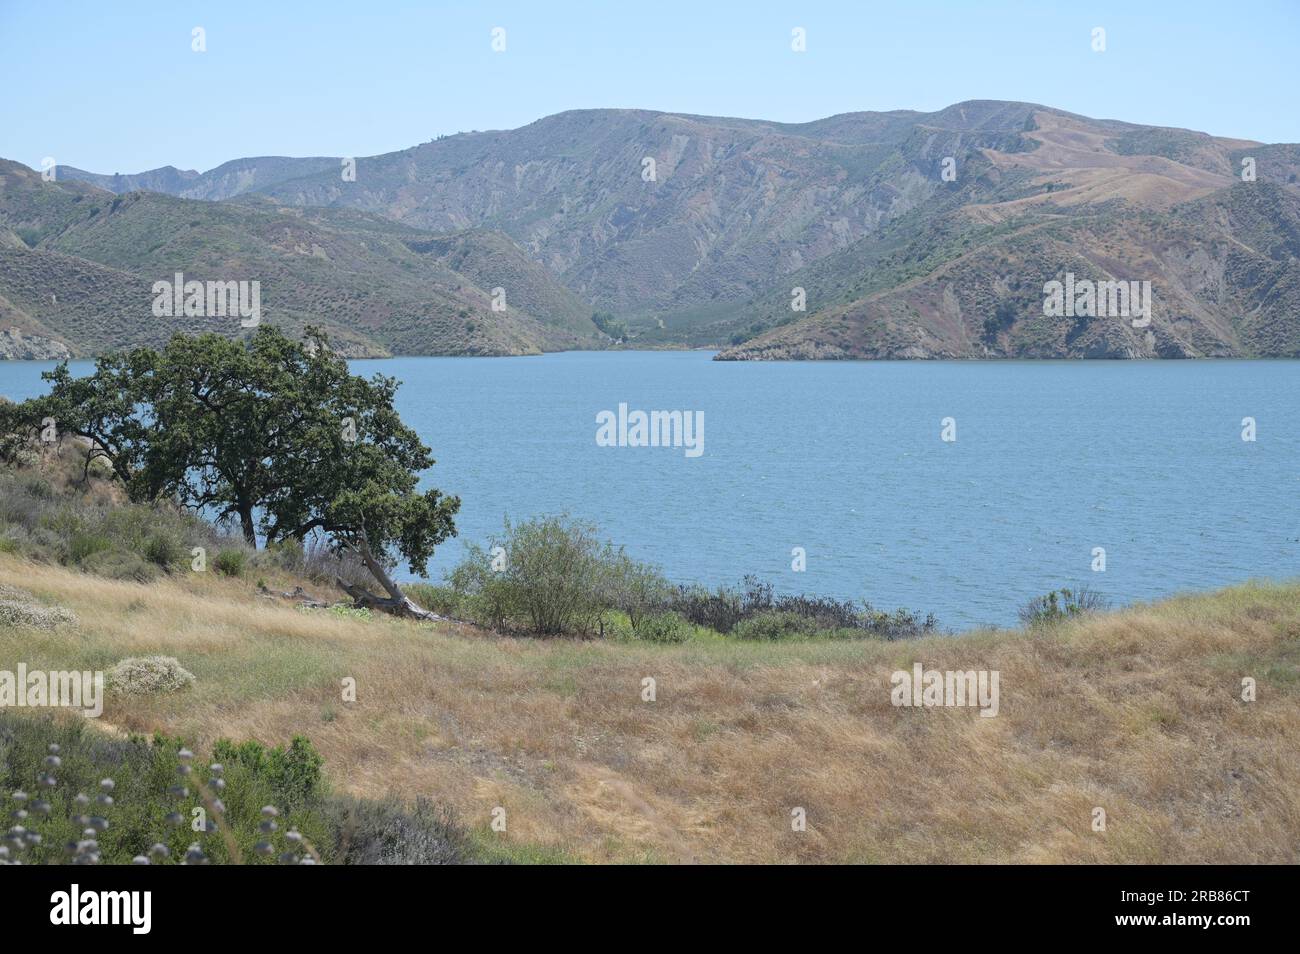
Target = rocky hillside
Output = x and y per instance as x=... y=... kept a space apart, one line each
x=911 y=234
x=968 y=280
x=726 y=204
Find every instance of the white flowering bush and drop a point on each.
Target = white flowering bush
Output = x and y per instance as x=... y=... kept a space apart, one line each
x=147 y=675
x=20 y=608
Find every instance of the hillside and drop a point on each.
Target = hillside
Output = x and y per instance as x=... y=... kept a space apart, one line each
x=732 y=201
x=1141 y=712
x=226 y=180
x=1223 y=269
x=1138 y=712
x=1222 y=257
x=897 y=259
x=81 y=269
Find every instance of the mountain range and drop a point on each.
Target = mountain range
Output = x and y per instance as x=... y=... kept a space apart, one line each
x=865 y=235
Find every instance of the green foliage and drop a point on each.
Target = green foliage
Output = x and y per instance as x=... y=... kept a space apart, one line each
x=776 y=624
x=292 y=775
x=610 y=325
x=351 y=612
x=84 y=545
x=270 y=425
x=39 y=488
x=442 y=600
x=663 y=628
x=146 y=807
x=756 y=612
x=485 y=595
x=142 y=773
x=30 y=236
x=47 y=520
x=163 y=550
x=1060 y=605
x=789 y=625
x=230 y=562
x=120 y=565
x=551 y=576
x=719 y=610
x=287 y=554
x=635 y=588
x=900 y=624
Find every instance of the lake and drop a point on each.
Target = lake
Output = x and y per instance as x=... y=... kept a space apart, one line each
x=846 y=460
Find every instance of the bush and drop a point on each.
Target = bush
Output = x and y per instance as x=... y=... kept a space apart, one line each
x=389 y=833
x=550 y=576
x=1057 y=606
x=719 y=611
x=230 y=562
x=484 y=595
x=118 y=565
x=162 y=550
x=829 y=613
x=143 y=774
x=663 y=628
x=776 y=624
x=287 y=554
x=634 y=588
x=148 y=675
x=293 y=775
x=39 y=488
x=49 y=513
x=784 y=617
x=442 y=600
x=85 y=545
x=24 y=613
x=900 y=624
x=8 y=592
x=555 y=567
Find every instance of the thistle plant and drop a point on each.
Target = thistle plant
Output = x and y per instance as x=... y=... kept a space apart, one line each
x=90 y=816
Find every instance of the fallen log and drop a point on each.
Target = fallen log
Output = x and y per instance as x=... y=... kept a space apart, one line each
x=396 y=606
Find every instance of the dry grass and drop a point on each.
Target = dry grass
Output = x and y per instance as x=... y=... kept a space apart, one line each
x=1138 y=712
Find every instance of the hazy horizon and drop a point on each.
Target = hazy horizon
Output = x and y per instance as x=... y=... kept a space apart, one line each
x=631 y=109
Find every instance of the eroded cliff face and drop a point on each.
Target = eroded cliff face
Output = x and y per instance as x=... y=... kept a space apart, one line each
x=17 y=346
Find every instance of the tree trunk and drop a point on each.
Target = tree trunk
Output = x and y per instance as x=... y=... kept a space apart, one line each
x=246 y=524
x=397 y=603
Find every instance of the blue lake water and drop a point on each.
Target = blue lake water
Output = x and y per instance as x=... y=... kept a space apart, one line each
x=845 y=459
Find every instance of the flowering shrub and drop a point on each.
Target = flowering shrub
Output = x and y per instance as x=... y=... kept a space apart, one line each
x=146 y=675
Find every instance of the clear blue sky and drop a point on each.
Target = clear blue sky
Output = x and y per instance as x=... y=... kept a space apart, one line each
x=115 y=87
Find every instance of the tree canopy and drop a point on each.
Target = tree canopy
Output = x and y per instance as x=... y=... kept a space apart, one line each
x=273 y=434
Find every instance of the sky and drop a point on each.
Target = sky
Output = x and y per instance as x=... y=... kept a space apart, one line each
x=117 y=86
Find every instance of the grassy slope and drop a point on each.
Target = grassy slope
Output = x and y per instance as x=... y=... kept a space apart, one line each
x=1137 y=712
